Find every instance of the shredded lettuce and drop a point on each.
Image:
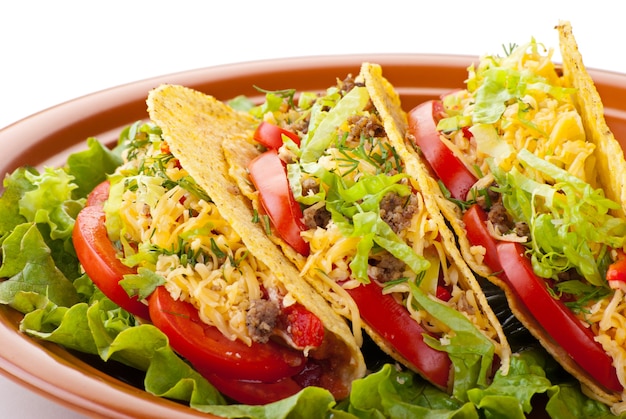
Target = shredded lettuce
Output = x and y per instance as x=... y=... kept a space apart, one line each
x=489 y=143
x=470 y=351
x=570 y=222
x=314 y=145
x=497 y=82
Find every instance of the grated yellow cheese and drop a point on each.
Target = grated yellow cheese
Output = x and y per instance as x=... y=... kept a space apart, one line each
x=549 y=127
x=219 y=277
x=608 y=322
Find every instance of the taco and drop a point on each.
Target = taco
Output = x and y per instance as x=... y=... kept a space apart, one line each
x=529 y=176
x=326 y=173
x=196 y=266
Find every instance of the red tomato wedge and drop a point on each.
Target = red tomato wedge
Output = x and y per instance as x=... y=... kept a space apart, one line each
x=555 y=317
x=394 y=324
x=254 y=392
x=448 y=168
x=617 y=270
x=303 y=327
x=268 y=174
x=212 y=353
x=475 y=219
x=271 y=136
x=98 y=257
x=99 y=194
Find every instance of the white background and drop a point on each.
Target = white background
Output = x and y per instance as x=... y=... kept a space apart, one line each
x=54 y=51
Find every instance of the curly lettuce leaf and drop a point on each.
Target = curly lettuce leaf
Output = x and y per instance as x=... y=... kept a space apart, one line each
x=91 y=166
x=15 y=185
x=28 y=266
x=51 y=201
x=311 y=402
x=392 y=393
x=533 y=372
x=102 y=328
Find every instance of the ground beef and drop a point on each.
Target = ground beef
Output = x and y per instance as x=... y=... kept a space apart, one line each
x=316 y=217
x=261 y=319
x=485 y=201
x=522 y=229
x=310 y=186
x=386 y=268
x=569 y=275
x=300 y=125
x=348 y=84
x=367 y=126
x=500 y=218
x=397 y=211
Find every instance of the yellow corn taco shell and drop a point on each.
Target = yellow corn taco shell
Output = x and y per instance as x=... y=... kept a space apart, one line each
x=610 y=156
x=195 y=126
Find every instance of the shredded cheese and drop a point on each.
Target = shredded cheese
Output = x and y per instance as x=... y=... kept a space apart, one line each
x=608 y=323
x=218 y=275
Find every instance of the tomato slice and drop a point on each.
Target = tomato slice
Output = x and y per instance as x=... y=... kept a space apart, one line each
x=475 y=220
x=448 y=168
x=98 y=257
x=99 y=194
x=268 y=174
x=394 y=324
x=555 y=317
x=271 y=136
x=617 y=270
x=210 y=352
x=255 y=392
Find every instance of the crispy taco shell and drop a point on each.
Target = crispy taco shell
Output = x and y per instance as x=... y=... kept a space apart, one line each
x=609 y=153
x=195 y=126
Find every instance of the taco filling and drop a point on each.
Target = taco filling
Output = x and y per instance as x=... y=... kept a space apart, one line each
x=339 y=200
x=521 y=180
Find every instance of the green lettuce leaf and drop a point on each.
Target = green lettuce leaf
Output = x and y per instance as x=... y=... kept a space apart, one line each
x=311 y=402
x=29 y=266
x=102 y=328
x=533 y=372
x=91 y=166
x=470 y=351
x=51 y=201
x=313 y=146
x=15 y=185
x=392 y=393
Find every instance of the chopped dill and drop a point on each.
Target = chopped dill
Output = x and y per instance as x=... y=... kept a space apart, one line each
x=235 y=262
x=216 y=249
x=508 y=49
